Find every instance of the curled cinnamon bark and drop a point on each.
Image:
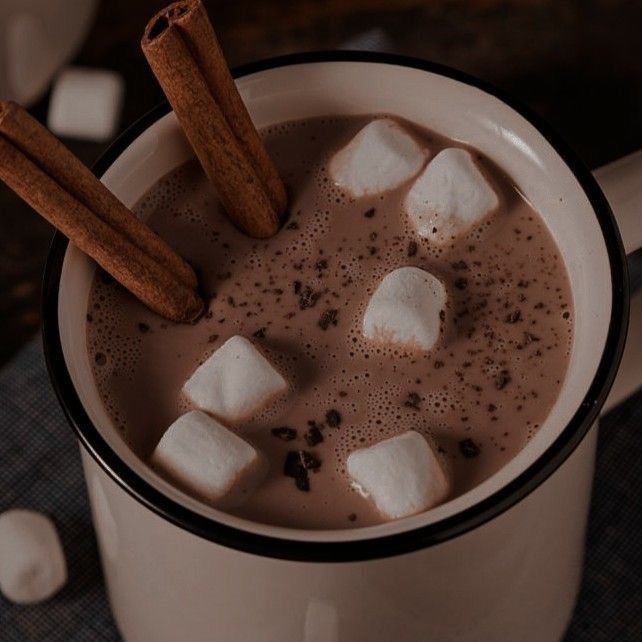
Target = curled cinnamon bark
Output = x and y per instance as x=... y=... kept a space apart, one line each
x=61 y=189
x=183 y=52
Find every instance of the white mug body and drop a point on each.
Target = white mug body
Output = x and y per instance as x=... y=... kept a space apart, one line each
x=514 y=578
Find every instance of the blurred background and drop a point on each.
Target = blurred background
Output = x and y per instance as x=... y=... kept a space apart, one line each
x=576 y=62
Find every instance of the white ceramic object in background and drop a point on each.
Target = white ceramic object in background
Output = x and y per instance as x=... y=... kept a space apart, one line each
x=86 y=103
x=501 y=562
x=37 y=37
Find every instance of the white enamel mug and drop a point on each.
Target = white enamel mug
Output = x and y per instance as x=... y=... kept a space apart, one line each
x=501 y=562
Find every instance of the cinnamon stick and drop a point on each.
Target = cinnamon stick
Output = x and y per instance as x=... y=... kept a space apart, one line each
x=206 y=105
x=117 y=251
x=191 y=19
x=36 y=141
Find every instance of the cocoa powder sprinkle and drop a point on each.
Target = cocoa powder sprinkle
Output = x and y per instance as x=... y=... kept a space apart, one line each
x=468 y=448
x=328 y=318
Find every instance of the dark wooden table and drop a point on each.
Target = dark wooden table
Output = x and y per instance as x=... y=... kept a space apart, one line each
x=576 y=62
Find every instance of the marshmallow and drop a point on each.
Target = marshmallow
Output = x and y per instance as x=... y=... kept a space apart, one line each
x=449 y=197
x=235 y=382
x=380 y=157
x=405 y=309
x=206 y=458
x=86 y=103
x=32 y=563
x=401 y=475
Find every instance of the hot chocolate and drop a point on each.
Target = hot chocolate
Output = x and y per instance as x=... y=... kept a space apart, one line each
x=477 y=396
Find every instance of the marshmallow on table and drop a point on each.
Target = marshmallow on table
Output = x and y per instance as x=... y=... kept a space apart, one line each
x=85 y=103
x=380 y=157
x=235 y=382
x=32 y=563
x=449 y=197
x=405 y=309
x=205 y=457
x=401 y=475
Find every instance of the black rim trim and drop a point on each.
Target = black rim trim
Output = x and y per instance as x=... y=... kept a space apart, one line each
x=379 y=547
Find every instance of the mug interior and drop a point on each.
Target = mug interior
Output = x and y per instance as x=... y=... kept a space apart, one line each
x=447 y=105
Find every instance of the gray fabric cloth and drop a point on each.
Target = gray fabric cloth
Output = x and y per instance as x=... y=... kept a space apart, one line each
x=40 y=469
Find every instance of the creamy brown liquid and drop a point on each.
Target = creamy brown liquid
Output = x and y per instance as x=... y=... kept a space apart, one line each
x=300 y=297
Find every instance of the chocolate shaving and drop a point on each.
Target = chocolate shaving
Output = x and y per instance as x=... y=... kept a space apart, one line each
x=297 y=464
x=468 y=448
x=333 y=417
x=513 y=317
x=502 y=379
x=413 y=401
x=412 y=248
x=461 y=283
x=309 y=460
x=314 y=436
x=293 y=466
x=260 y=333
x=529 y=338
x=328 y=318
x=284 y=433
x=308 y=298
x=370 y=213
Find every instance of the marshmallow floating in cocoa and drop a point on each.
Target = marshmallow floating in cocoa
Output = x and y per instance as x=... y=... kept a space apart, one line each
x=235 y=382
x=380 y=157
x=406 y=309
x=206 y=458
x=401 y=475
x=449 y=197
x=32 y=562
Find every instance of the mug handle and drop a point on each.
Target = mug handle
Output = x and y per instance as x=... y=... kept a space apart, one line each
x=621 y=182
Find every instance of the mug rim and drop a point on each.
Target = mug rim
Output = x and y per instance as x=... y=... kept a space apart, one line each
x=389 y=545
